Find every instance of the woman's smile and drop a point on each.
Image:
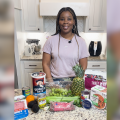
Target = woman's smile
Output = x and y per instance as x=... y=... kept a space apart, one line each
x=66 y=22
x=65 y=27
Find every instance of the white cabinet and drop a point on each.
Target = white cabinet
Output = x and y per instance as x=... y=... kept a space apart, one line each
x=29 y=67
x=17 y=4
x=32 y=21
x=97 y=65
x=28 y=78
x=96 y=21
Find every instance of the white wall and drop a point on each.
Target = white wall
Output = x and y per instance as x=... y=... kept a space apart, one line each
x=88 y=37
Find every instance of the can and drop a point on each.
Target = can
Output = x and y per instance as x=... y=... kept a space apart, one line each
x=38 y=80
x=41 y=99
x=26 y=91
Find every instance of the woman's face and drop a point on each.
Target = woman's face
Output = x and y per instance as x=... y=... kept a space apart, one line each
x=66 y=22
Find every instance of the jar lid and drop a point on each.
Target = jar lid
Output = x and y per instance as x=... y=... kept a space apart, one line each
x=87 y=104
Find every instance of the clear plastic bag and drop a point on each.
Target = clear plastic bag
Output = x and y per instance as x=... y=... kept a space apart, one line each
x=57 y=84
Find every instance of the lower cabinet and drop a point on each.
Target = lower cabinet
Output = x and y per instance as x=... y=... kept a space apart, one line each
x=97 y=65
x=29 y=67
x=28 y=78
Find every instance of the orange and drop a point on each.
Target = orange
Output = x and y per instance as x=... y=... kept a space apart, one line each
x=30 y=98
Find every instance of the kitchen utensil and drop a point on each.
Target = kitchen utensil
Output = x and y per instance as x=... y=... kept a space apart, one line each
x=95 y=48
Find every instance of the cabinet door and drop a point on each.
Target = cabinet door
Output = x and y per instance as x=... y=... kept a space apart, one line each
x=32 y=19
x=97 y=17
x=28 y=78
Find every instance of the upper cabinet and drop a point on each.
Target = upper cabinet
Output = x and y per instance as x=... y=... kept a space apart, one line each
x=32 y=21
x=96 y=21
x=80 y=8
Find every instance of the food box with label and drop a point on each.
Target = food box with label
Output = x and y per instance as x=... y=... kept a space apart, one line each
x=98 y=96
x=20 y=107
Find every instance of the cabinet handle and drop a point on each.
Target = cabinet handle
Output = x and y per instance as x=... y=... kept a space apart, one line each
x=95 y=65
x=38 y=29
x=89 y=28
x=32 y=65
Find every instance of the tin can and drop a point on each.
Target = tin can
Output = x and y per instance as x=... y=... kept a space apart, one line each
x=41 y=99
x=26 y=91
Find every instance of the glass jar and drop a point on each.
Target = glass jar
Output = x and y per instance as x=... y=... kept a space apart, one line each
x=41 y=99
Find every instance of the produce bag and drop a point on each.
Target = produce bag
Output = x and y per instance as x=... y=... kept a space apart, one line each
x=61 y=106
x=91 y=81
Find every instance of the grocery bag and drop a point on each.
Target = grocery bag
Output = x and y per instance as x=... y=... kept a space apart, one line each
x=91 y=82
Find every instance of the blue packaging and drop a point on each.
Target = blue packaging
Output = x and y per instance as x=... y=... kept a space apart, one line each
x=20 y=107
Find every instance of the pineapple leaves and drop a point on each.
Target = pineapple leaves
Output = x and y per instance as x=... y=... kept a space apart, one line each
x=78 y=70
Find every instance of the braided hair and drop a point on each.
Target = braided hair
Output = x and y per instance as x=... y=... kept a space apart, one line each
x=74 y=30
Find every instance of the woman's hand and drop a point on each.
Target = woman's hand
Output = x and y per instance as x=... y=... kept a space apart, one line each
x=46 y=66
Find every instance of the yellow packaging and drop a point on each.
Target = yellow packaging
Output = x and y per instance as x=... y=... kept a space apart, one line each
x=41 y=98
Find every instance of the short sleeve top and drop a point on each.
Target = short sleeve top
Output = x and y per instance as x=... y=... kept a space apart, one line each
x=65 y=55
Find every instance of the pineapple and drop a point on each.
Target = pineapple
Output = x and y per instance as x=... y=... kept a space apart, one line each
x=78 y=82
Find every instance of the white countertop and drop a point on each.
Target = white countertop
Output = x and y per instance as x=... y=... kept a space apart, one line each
x=39 y=57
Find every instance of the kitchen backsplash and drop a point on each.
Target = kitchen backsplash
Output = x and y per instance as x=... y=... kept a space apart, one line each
x=50 y=24
x=50 y=27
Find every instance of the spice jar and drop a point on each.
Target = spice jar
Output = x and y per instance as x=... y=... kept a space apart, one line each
x=41 y=99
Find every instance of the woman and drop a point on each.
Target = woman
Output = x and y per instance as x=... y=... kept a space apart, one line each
x=64 y=49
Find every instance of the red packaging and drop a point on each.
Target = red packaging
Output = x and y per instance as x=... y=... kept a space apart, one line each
x=61 y=106
x=90 y=82
x=38 y=79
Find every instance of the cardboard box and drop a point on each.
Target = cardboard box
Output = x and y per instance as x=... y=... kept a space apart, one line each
x=98 y=96
x=20 y=107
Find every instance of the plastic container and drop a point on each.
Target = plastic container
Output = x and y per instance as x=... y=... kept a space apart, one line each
x=87 y=104
x=38 y=79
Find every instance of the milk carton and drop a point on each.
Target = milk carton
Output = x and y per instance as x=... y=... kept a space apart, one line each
x=98 y=96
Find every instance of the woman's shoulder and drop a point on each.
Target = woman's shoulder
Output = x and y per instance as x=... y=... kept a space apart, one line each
x=53 y=37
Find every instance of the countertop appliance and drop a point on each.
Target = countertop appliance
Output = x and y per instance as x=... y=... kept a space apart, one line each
x=35 y=46
x=95 y=48
x=28 y=50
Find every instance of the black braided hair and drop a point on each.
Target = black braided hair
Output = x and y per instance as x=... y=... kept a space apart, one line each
x=74 y=17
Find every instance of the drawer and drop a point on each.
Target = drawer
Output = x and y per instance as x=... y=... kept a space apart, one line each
x=32 y=64
x=96 y=64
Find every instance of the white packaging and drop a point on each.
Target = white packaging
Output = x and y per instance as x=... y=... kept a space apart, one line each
x=98 y=96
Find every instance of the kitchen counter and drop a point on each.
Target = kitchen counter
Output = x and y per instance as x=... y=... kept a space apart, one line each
x=33 y=57
x=39 y=57
x=77 y=114
x=98 y=58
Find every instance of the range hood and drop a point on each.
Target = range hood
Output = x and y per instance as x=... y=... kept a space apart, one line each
x=51 y=7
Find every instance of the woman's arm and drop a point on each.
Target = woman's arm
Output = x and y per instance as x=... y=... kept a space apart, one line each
x=83 y=63
x=46 y=66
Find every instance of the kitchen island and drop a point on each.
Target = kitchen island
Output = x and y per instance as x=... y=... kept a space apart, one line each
x=78 y=114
